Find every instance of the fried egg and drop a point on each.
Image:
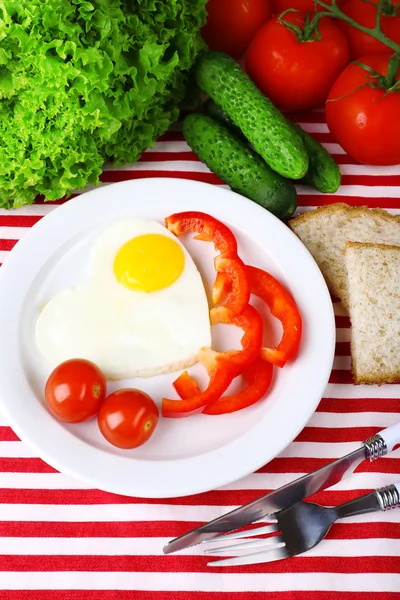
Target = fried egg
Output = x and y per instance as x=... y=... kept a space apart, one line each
x=143 y=310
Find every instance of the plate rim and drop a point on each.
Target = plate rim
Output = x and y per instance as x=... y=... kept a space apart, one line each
x=226 y=476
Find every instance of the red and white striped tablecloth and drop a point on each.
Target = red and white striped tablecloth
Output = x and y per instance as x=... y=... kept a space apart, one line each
x=60 y=539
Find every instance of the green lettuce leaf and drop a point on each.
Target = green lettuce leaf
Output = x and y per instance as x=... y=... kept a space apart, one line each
x=83 y=82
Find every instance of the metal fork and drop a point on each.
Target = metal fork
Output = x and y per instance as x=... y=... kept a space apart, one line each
x=300 y=527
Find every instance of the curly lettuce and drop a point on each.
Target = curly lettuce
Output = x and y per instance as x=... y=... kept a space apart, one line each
x=83 y=82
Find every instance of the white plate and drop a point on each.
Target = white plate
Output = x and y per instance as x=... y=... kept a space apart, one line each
x=184 y=456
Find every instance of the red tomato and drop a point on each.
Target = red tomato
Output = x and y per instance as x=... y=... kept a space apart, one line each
x=296 y=75
x=365 y=121
x=127 y=418
x=75 y=390
x=232 y=24
x=305 y=5
x=362 y=44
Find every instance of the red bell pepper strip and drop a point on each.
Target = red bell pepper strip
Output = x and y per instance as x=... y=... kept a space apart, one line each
x=258 y=376
x=210 y=229
x=207 y=228
x=235 y=272
x=222 y=367
x=283 y=307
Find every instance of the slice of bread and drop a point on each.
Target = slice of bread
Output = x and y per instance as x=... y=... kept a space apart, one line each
x=325 y=232
x=374 y=294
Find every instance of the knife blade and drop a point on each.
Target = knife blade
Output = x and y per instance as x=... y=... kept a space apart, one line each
x=295 y=491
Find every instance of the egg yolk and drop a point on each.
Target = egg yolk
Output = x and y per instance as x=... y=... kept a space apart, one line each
x=149 y=262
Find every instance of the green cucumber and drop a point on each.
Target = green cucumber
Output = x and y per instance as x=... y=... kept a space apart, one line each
x=323 y=173
x=233 y=161
x=260 y=121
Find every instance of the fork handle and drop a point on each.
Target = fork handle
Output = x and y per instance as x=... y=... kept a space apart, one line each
x=380 y=499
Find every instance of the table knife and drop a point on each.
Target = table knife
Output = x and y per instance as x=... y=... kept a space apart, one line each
x=380 y=444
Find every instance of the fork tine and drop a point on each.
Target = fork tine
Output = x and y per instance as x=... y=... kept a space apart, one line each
x=244 y=534
x=252 y=559
x=257 y=543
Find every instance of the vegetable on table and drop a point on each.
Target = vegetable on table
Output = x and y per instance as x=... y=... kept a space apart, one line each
x=258 y=376
x=365 y=13
x=221 y=78
x=232 y=24
x=295 y=58
x=127 y=418
x=284 y=308
x=222 y=367
x=363 y=109
x=238 y=165
x=86 y=82
x=323 y=173
x=75 y=390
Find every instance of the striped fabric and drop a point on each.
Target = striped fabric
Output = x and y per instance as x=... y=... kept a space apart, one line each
x=61 y=539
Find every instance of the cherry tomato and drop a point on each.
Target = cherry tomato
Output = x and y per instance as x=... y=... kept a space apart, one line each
x=75 y=390
x=296 y=75
x=365 y=121
x=305 y=5
x=362 y=44
x=127 y=418
x=232 y=24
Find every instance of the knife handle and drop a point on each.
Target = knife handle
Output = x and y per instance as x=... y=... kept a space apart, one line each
x=383 y=442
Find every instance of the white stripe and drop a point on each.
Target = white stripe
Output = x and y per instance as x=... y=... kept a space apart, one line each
x=347 y=390
x=184 y=166
x=314 y=127
x=27 y=211
x=177 y=146
x=13 y=233
x=365 y=191
x=153 y=546
x=119 y=513
x=333 y=148
x=370 y=170
x=15 y=450
x=3 y=255
x=201 y=582
x=324 y=450
x=361 y=419
x=255 y=481
x=343 y=334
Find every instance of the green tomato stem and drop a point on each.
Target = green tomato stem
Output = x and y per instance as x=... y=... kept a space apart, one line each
x=375 y=32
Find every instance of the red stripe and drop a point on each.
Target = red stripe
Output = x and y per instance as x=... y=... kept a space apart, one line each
x=8 y=435
x=7 y=244
x=143 y=595
x=307 y=465
x=341 y=376
x=25 y=465
x=167 y=529
x=114 y=176
x=371 y=180
x=343 y=322
x=169 y=156
x=346 y=405
x=189 y=564
x=16 y=221
x=217 y=497
x=339 y=434
x=342 y=349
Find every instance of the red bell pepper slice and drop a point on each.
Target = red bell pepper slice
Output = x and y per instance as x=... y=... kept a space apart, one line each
x=284 y=308
x=210 y=229
x=207 y=228
x=235 y=273
x=222 y=367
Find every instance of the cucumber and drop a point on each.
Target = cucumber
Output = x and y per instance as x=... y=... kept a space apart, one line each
x=260 y=121
x=238 y=165
x=214 y=111
x=323 y=173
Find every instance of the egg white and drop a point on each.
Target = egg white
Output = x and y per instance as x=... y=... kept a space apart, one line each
x=127 y=333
